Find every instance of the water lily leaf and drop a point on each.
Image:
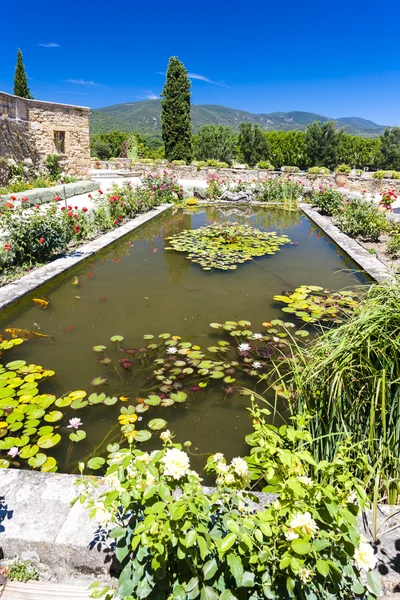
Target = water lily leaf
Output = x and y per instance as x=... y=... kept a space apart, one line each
x=15 y=364
x=50 y=466
x=216 y=325
x=141 y=408
x=77 y=394
x=302 y=333
x=77 y=404
x=63 y=402
x=117 y=338
x=217 y=374
x=29 y=451
x=157 y=424
x=98 y=380
x=96 y=463
x=111 y=401
x=53 y=416
x=4 y=464
x=45 y=430
x=49 y=440
x=142 y=435
x=37 y=461
x=96 y=398
x=105 y=361
x=77 y=436
x=148 y=336
x=179 y=396
x=153 y=400
x=99 y=348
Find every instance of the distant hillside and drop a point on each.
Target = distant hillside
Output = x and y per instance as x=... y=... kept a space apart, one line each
x=145 y=117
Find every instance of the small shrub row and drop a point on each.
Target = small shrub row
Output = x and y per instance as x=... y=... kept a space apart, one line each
x=386 y=175
x=319 y=171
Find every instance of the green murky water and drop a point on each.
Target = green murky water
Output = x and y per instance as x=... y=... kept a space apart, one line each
x=136 y=287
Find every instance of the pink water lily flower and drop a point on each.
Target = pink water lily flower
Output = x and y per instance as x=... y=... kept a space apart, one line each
x=75 y=423
x=13 y=452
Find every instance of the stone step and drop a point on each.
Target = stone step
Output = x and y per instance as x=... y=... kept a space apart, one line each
x=38 y=590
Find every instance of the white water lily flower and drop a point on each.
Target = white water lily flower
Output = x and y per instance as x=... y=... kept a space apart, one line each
x=240 y=467
x=364 y=556
x=74 y=423
x=176 y=463
x=166 y=435
x=257 y=336
x=172 y=350
x=290 y=534
x=304 y=523
x=13 y=452
x=244 y=347
x=257 y=364
x=305 y=480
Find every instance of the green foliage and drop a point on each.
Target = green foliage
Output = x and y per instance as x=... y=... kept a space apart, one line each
x=343 y=169
x=175 y=116
x=211 y=162
x=279 y=189
x=22 y=570
x=347 y=380
x=318 y=171
x=386 y=175
x=265 y=164
x=290 y=169
x=163 y=188
x=21 y=87
x=215 y=186
x=322 y=142
x=390 y=149
x=312 y=303
x=216 y=142
x=225 y=246
x=286 y=148
x=100 y=149
x=53 y=166
x=359 y=151
x=359 y=218
x=252 y=143
x=393 y=245
x=328 y=200
x=208 y=546
x=179 y=163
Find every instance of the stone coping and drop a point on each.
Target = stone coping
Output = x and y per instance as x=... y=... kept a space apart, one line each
x=43 y=195
x=26 y=284
x=34 y=101
x=369 y=263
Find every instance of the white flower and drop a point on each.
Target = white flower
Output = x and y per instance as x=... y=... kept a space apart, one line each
x=150 y=479
x=13 y=452
x=304 y=523
x=74 y=423
x=276 y=339
x=305 y=574
x=290 y=534
x=176 y=463
x=172 y=350
x=240 y=467
x=305 y=480
x=114 y=482
x=218 y=457
x=244 y=347
x=257 y=364
x=101 y=515
x=229 y=479
x=257 y=336
x=352 y=498
x=364 y=556
x=221 y=468
x=166 y=435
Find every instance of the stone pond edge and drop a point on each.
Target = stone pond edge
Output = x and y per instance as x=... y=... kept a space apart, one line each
x=27 y=283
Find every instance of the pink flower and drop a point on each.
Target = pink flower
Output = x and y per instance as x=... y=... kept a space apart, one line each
x=13 y=452
x=74 y=423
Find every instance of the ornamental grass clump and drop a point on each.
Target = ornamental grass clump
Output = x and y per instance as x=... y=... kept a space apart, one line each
x=175 y=540
x=348 y=381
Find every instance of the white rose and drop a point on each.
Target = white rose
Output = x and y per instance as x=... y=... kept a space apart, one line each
x=240 y=467
x=305 y=574
x=166 y=435
x=305 y=480
x=176 y=463
x=221 y=468
x=229 y=479
x=290 y=535
x=364 y=556
x=304 y=523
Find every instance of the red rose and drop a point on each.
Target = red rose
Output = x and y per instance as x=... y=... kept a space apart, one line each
x=63 y=208
x=13 y=197
x=120 y=218
x=24 y=199
x=9 y=205
x=7 y=247
x=76 y=207
x=57 y=198
x=42 y=240
x=69 y=207
x=77 y=229
x=116 y=222
x=84 y=209
x=37 y=206
x=100 y=192
x=70 y=214
x=89 y=195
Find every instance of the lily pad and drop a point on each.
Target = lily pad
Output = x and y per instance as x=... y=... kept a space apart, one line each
x=157 y=424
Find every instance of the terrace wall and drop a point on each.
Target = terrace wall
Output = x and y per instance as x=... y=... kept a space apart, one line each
x=33 y=129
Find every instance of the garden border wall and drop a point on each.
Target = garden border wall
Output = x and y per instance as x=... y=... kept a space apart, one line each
x=43 y=195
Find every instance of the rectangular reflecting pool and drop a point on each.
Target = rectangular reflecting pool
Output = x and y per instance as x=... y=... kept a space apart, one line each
x=137 y=288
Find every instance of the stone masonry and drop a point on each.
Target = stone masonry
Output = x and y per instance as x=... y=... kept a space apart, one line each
x=48 y=128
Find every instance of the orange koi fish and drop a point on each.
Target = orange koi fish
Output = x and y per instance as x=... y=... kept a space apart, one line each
x=42 y=303
x=69 y=328
x=26 y=334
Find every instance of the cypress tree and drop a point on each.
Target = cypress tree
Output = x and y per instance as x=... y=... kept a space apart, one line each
x=175 y=114
x=21 y=87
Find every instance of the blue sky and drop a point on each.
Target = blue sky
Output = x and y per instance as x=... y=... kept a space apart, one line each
x=338 y=59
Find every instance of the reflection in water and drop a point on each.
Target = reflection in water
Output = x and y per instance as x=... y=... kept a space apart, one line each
x=136 y=287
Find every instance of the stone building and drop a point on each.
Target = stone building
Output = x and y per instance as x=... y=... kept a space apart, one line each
x=30 y=130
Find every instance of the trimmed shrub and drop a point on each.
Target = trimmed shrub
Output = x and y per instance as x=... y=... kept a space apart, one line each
x=265 y=164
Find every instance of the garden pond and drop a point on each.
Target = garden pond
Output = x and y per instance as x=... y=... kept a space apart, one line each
x=138 y=288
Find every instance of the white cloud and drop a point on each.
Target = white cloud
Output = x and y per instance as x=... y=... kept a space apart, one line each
x=152 y=97
x=50 y=45
x=81 y=82
x=204 y=78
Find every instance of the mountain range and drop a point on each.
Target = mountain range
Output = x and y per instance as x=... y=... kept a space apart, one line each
x=145 y=117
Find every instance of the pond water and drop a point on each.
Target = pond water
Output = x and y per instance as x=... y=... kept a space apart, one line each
x=137 y=287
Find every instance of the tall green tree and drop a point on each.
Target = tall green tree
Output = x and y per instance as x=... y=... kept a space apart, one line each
x=252 y=143
x=21 y=87
x=215 y=142
x=322 y=141
x=175 y=113
x=286 y=148
x=390 y=149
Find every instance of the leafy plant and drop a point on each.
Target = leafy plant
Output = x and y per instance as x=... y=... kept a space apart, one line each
x=22 y=570
x=328 y=200
x=290 y=169
x=197 y=545
x=279 y=190
x=393 y=245
x=319 y=171
x=359 y=218
x=215 y=186
x=179 y=163
x=343 y=169
x=312 y=303
x=386 y=175
x=164 y=188
x=265 y=164
x=53 y=166
x=175 y=112
x=225 y=246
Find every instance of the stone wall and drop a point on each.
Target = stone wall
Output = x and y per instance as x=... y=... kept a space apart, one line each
x=354 y=183
x=48 y=128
